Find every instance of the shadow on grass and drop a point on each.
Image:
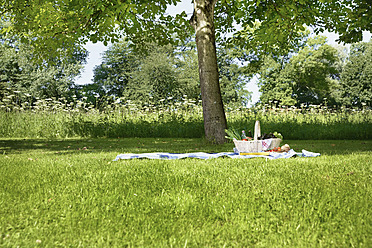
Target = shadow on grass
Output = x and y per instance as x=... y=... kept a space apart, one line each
x=173 y=145
x=332 y=147
x=129 y=129
x=119 y=145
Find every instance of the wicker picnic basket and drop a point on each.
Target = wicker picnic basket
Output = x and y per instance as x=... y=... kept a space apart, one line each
x=256 y=145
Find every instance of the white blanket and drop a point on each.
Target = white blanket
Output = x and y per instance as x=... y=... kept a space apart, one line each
x=203 y=155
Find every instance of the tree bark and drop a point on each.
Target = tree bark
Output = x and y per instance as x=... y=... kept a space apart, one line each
x=213 y=110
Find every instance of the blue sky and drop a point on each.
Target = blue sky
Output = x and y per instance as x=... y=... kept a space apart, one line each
x=96 y=50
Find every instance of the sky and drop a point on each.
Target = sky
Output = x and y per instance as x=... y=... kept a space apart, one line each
x=96 y=50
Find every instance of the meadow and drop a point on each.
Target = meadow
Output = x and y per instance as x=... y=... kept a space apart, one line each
x=69 y=193
x=59 y=185
x=182 y=119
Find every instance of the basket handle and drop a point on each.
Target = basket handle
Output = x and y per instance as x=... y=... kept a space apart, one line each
x=257 y=130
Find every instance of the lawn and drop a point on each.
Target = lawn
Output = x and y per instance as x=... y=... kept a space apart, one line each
x=69 y=193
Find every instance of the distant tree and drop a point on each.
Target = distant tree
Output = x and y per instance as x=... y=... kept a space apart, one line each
x=18 y=72
x=306 y=78
x=275 y=85
x=9 y=68
x=114 y=73
x=165 y=72
x=188 y=70
x=156 y=76
x=146 y=76
x=233 y=74
x=356 y=77
x=233 y=77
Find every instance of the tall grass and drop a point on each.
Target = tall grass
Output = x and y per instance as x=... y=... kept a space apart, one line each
x=313 y=122
x=60 y=119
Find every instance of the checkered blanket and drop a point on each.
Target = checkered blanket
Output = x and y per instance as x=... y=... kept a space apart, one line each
x=203 y=155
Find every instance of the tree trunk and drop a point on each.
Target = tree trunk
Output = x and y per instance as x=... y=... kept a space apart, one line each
x=213 y=111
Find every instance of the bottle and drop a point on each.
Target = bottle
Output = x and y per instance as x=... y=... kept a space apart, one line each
x=244 y=137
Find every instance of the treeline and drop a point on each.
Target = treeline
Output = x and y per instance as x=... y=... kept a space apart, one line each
x=164 y=72
x=319 y=74
x=154 y=75
x=312 y=73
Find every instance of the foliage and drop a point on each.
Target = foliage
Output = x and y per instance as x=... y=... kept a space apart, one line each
x=233 y=134
x=306 y=78
x=156 y=77
x=19 y=73
x=166 y=72
x=233 y=77
x=267 y=26
x=347 y=18
x=144 y=76
x=68 y=192
x=275 y=27
x=114 y=73
x=61 y=23
x=356 y=77
x=187 y=69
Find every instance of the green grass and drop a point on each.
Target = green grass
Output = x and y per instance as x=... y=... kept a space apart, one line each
x=183 y=121
x=69 y=193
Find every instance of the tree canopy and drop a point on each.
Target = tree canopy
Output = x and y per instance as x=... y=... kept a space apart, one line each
x=263 y=25
x=356 y=77
x=166 y=72
x=19 y=73
x=304 y=78
x=61 y=24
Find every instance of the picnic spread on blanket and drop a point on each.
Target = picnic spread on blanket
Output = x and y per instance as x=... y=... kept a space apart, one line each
x=266 y=146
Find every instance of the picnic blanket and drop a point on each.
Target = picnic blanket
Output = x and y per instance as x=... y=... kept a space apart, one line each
x=203 y=155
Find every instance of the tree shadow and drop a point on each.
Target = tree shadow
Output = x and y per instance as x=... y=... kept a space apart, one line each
x=119 y=145
x=332 y=147
x=172 y=145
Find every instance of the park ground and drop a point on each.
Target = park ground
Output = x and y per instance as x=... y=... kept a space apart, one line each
x=70 y=193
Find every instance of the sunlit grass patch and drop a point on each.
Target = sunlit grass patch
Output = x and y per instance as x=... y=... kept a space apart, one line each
x=69 y=192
